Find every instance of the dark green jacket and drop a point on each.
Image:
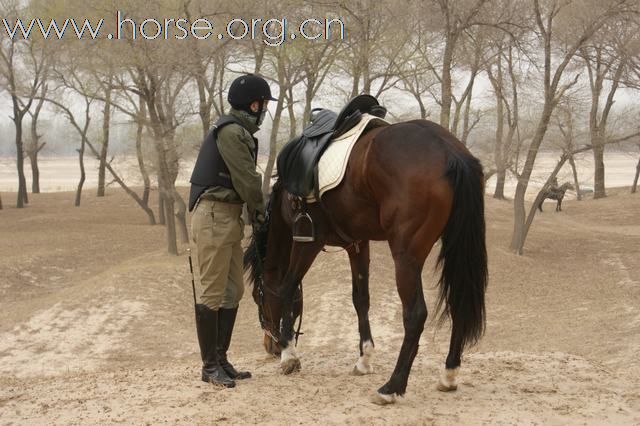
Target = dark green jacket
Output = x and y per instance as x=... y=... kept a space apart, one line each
x=236 y=146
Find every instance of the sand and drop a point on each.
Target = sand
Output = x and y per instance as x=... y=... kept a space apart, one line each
x=96 y=327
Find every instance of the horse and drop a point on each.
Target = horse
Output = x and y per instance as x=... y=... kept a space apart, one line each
x=556 y=193
x=411 y=184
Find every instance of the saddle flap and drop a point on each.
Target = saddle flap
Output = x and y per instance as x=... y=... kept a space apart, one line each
x=322 y=121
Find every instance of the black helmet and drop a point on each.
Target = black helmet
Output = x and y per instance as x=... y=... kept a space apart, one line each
x=248 y=88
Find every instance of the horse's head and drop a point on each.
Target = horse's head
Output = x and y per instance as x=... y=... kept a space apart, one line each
x=266 y=259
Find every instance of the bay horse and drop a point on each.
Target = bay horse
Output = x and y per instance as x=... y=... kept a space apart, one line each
x=410 y=184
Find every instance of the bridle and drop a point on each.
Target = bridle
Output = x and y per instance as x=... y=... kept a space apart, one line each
x=269 y=326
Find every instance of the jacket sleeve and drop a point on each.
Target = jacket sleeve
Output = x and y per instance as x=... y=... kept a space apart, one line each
x=236 y=151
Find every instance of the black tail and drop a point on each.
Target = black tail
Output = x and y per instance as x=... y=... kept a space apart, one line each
x=463 y=255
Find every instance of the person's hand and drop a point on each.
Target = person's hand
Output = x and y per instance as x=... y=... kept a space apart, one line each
x=258 y=220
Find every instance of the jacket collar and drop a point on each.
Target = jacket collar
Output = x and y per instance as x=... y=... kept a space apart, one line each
x=248 y=121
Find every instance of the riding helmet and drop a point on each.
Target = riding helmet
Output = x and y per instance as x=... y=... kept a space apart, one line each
x=248 y=88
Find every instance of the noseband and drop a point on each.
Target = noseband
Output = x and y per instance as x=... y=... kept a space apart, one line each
x=268 y=326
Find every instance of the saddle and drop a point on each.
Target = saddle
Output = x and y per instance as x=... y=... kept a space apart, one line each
x=298 y=161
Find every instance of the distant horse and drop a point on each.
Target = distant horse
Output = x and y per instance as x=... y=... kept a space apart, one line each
x=556 y=193
x=410 y=184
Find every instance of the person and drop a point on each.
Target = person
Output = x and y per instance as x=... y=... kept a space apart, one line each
x=224 y=178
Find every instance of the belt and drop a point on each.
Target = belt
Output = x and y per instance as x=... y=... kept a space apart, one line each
x=220 y=205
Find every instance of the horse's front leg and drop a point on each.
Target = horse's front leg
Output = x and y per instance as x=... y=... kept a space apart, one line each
x=302 y=256
x=359 y=259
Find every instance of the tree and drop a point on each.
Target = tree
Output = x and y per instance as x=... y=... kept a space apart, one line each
x=507 y=108
x=634 y=187
x=22 y=66
x=556 y=26
x=35 y=145
x=457 y=17
x=372 y=47
x=606 y=58
x=566 y=125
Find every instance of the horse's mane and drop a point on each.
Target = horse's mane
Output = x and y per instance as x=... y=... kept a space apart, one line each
x=256 y=252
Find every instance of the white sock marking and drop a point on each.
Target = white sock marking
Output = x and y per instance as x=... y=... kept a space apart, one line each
x=364 y=362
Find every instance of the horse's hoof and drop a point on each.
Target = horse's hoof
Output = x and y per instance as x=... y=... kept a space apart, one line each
x=447 y=382
x=446 y=388
x=290 y=365
x=361 y=371
x=383 y=399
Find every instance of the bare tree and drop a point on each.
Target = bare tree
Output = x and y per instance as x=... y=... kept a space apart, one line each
x=575 y=33
x=22 y=66
x=566 y=123
x=418 y=76
x=288 y=75
x=106 y=87
x=456 y=17
x=634 y=187
x=507 y=108
x=36 y=145
x=606 y=58
x=372 y=53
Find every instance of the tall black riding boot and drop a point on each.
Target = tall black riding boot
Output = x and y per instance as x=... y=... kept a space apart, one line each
x=207 y=323
x=225 y=330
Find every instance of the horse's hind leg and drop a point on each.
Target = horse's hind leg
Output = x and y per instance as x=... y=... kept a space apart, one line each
x=447 y=381
x=359 y=259
x=414 y=315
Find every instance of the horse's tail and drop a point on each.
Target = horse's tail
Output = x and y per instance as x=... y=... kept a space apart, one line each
x=463 y=255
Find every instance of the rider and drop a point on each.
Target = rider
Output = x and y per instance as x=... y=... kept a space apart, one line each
x=223 y=179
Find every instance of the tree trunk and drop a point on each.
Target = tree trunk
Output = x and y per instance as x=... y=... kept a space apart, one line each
x=82 y=172
x=501 y=173
x=519 y=229
x=182 y=216
x=35 y=147
x=143 y=204
x=292 y=117
x=576 y=183
x=268 y=170
x=22 y=182
x=161 y=216
x=35 y=172
x=446 y=91
x=139 y=154
x=540 y=197
x=598 y=177
x=308 y=98
x=172 y=246
x=106 y=121
x=634 y=187
x=501 y=177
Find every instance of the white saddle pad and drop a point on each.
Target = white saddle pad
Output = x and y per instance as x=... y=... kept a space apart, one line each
x=333 y=163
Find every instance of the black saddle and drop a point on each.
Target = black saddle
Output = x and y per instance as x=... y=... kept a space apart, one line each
x=298 y=161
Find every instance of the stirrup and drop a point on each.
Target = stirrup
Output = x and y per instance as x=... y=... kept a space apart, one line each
x=299 y=233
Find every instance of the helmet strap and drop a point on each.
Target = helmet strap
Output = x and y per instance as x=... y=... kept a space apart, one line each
x=259 y=113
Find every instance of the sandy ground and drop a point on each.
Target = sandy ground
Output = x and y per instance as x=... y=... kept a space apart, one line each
x=96 y=327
